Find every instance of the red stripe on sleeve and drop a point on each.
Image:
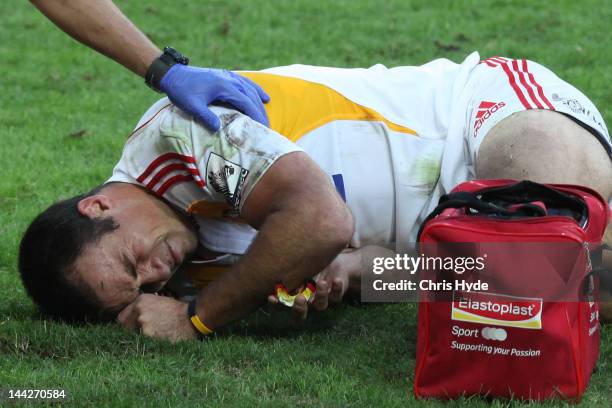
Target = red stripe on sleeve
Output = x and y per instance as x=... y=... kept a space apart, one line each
x=500 y=60
x=174 y=167
x=517 y=90
x=171 y=181
x=521 y=75
x=538 y=87
x=164 y=157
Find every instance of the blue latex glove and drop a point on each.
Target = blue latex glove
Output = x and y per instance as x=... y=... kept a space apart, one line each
x=192 y=89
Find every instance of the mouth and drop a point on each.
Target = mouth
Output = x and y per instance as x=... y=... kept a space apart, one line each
x=154 y=288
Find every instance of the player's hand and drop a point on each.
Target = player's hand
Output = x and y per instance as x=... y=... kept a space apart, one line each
x=332 y=284
x=158 y=316
x=192 y=89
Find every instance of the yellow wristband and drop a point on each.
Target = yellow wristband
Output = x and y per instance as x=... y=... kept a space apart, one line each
x=195 y=320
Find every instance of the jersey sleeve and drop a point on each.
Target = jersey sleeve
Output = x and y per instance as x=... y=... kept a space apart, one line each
x=176 y=158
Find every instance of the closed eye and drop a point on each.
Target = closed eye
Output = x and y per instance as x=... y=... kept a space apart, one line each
x=129 y=267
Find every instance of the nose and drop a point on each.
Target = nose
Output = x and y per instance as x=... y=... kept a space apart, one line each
x=155 y=274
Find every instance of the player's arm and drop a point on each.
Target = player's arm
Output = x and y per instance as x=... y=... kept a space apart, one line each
x=102 y=26
x=303 y=224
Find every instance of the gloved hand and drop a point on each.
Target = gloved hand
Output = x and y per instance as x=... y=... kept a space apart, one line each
x=192 y=89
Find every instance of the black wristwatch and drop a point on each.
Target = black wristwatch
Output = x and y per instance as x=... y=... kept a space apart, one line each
x=161 y=65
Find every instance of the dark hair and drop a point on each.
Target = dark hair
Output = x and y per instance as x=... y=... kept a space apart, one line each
x=49 y=247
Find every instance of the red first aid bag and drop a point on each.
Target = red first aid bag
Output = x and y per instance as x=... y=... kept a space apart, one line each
x=494 y=342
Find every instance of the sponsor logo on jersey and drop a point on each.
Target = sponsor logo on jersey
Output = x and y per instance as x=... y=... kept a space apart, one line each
x=497 y=309
x=485 y=111
x=226 y=178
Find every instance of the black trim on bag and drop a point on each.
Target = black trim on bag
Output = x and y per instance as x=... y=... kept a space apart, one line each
x=495 y=202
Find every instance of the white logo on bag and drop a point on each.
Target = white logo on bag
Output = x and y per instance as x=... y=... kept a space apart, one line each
x=493 y=333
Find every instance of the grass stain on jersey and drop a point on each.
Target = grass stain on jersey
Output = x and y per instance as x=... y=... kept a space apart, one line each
x=427 y=172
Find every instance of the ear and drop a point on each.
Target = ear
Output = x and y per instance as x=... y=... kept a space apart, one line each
x=95 y=205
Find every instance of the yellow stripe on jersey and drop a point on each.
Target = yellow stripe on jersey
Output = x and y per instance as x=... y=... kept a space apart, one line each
x=210 y=209
x=203 y=274
x=297 y=106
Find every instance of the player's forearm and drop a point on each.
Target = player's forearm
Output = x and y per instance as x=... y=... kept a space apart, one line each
x=102 y=26
x=292 y=246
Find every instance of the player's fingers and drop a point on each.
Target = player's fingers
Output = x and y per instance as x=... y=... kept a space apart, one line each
x=147 y=330
x=337 y=291
x=273 y=300
x=128 y=317
x=320 y=299
x=300 y=307
x=205 y=116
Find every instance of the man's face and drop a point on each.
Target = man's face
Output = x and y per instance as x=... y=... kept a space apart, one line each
x=139 y=256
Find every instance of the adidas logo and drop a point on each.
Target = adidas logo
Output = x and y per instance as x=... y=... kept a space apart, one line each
x=485 y=110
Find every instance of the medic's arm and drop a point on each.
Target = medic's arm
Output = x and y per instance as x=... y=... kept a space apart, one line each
x=100 y=25
x=103 y=27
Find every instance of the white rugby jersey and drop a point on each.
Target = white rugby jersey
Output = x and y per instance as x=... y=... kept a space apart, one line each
x=379 y=133
x=391 y=140
x=197 y=171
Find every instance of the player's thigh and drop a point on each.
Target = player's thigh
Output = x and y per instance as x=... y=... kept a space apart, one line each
x=546 y=147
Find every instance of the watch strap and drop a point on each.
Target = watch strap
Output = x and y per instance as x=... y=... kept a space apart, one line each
x=161 y=65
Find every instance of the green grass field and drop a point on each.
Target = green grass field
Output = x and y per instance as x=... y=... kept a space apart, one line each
x=65 y=112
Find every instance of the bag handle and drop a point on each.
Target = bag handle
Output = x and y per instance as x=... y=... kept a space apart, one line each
x=521 y=193
x=462 y=199
x=527 y=191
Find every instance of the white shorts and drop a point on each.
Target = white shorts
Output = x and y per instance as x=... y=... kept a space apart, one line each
x=505 y=86
x=496 y=88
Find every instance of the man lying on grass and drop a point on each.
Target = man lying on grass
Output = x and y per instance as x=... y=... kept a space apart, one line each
x=384 y=143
